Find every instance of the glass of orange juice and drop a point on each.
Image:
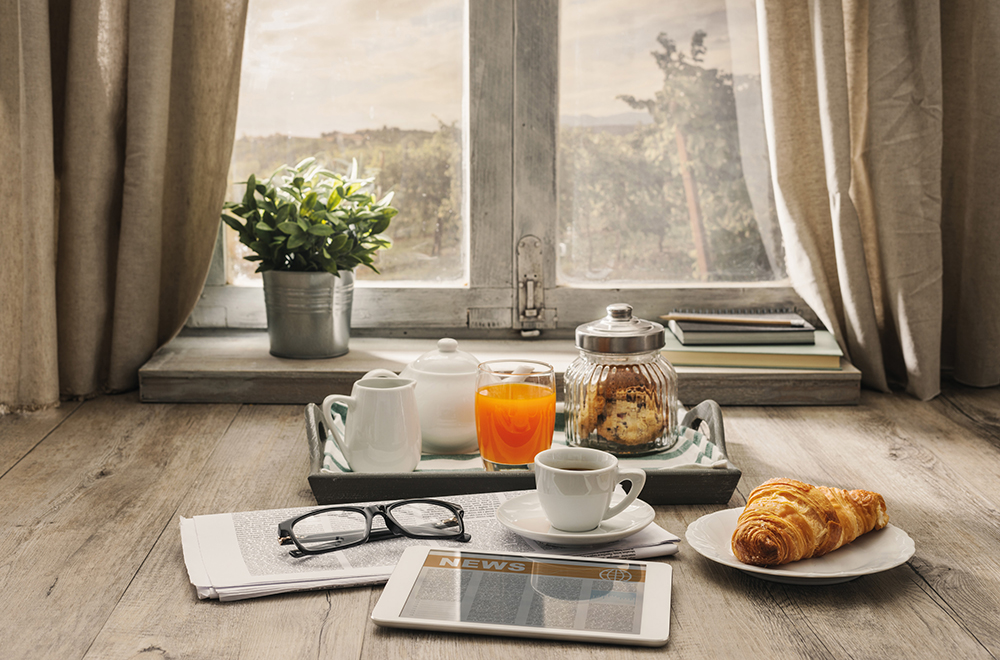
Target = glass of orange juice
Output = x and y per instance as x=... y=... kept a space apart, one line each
x=515 y=412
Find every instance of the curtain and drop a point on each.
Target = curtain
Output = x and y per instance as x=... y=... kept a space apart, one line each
x=883 y=135
x=117 y=121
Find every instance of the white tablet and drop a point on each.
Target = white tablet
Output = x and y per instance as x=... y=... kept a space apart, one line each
x=522 y=595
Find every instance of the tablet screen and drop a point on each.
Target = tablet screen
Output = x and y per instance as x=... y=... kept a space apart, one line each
x=541 y=593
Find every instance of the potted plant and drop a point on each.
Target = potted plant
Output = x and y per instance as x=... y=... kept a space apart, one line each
x=308 y=229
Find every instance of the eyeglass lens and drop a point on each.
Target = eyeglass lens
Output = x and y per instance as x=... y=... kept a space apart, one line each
x=426 y=519
x=332 y=529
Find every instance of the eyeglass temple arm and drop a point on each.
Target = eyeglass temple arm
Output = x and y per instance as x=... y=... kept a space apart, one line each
x=313 y=538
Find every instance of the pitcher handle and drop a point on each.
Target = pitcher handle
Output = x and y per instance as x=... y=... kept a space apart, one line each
x=335 y=431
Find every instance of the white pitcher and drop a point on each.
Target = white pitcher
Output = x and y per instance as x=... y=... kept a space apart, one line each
x=381 y=432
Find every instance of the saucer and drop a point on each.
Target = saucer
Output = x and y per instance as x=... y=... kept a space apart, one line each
x=523 y=515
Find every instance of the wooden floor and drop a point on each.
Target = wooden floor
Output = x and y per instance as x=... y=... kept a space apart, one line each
x=91 y=564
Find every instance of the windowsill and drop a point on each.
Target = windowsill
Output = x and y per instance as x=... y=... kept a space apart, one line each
x=232 y=366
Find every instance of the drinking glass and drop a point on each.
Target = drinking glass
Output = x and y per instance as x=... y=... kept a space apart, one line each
x=515 y=412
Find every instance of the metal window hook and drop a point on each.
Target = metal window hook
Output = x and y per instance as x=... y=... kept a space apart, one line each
x=532 y=314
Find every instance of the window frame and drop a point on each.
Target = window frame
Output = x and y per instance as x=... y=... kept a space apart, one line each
x=510 y=109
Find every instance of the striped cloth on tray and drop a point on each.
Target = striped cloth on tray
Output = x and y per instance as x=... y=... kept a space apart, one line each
x=692 y=451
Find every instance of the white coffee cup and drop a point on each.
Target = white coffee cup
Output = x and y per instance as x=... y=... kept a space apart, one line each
x=382 y=429
x=575 y=484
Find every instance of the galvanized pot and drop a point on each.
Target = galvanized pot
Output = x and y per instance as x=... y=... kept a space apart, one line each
x=308 y=314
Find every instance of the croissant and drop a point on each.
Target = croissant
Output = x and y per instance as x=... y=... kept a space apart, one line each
x=787 y=520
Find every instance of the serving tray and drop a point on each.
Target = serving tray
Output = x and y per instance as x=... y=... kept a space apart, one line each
x=679 y=486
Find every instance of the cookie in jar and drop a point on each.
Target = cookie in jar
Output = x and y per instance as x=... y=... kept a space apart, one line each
x=620 y=394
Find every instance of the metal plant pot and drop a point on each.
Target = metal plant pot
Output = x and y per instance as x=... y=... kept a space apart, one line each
x=308 y=314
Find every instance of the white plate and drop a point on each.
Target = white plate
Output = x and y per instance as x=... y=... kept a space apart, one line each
x=523 y=515
x=876 y=551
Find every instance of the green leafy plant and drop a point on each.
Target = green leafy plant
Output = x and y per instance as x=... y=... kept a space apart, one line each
x=307 y=218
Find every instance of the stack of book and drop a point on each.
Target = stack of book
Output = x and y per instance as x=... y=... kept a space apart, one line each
x=776 y=339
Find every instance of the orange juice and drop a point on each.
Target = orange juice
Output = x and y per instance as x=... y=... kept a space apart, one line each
x=514 y=421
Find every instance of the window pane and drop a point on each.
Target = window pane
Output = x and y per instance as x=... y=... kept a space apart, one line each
x=373 y=80
x=663 y=171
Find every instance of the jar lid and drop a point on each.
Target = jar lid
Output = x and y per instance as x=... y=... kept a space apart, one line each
x=447 y=359
x=620 y=332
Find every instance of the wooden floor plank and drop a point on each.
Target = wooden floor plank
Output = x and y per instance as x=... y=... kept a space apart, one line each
x=84 y=508
x=959 y=438
x=980 y=406
x=261 y=463
x=420 y=645
x=20 y=432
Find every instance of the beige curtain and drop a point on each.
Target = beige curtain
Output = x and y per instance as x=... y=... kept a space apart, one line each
x=116 y=128
x=885 y=142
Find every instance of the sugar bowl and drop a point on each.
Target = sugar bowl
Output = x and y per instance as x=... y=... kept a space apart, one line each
x=446 y=389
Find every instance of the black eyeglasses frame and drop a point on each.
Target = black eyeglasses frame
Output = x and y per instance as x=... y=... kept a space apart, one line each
x=392 y=528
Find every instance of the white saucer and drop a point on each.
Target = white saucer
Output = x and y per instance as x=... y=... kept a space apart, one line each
x=523 y=515
x=876 y=551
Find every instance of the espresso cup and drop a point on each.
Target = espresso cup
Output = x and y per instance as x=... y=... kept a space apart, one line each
x=381 y=431
x=575 y=485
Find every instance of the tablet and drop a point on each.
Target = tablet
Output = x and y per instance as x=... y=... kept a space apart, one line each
x=528 y=595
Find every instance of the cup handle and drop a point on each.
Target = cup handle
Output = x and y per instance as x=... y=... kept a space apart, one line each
x=379 y=373
x=638 y=479
x=325 y=408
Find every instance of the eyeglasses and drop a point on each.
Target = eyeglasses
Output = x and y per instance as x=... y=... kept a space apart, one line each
x=339 y=527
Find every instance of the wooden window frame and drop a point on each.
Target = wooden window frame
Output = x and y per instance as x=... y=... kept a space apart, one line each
x=510 y=109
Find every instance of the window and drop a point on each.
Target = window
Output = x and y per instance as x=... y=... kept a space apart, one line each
x=548 y=158
x=386 y=93
x=663 y=170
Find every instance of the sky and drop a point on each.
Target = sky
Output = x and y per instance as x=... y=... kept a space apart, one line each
x=315 y=66
x=605 y=48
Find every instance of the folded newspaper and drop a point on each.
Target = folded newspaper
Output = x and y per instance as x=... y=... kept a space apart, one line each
x=232 y=556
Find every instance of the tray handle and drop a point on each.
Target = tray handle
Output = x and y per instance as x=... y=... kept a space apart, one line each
x=708 y=411
x=316 y=433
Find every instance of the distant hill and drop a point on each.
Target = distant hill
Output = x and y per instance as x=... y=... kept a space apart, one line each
x=621 y=119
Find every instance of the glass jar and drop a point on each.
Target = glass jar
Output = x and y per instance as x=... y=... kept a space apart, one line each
x=620 y=394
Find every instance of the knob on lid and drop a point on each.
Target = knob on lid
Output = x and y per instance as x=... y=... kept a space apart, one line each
x=620 y=332
x=447 y=359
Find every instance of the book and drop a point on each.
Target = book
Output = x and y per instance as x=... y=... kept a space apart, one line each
x=751 y=327
x=696 y=333
x=823 y=354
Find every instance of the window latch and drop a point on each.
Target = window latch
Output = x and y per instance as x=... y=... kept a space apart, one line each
x=532 y=314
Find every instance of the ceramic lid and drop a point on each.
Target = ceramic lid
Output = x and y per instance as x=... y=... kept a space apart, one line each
x=447 y=359
x=620 y=332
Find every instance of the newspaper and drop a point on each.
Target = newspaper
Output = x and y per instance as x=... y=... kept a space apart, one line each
x=232 y=556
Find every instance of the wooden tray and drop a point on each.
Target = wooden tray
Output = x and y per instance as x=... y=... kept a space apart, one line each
x=683 y=486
